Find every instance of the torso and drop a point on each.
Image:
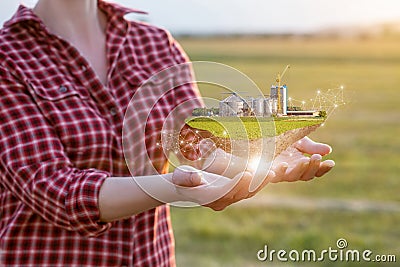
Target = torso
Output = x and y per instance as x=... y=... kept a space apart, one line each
x=74 y=124
x=94 y=49
x=90 y=42
x=96 y=56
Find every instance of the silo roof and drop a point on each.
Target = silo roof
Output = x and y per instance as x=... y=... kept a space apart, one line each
x=233 y=98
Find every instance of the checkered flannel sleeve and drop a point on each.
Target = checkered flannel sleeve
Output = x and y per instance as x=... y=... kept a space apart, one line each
x=36 y=170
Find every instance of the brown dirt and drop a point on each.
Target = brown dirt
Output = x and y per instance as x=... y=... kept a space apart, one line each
x=283 y=141
x=262 y=146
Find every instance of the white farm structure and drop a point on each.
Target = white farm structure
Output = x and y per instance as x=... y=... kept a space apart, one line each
x=236 y=106
x=279 y=104
x=275 y=104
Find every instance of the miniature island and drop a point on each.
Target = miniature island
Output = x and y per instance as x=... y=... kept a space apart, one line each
x=276 y=117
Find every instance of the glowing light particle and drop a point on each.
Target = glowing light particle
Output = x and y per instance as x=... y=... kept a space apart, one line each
x=253 y=164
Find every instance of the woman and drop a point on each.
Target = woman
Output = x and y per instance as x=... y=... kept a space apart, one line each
x=68 y=69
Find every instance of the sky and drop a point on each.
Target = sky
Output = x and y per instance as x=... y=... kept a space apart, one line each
x=252 y=16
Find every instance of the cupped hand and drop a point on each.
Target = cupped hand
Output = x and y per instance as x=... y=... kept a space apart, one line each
x=212 y=190
x=294 y=165
x=218 y=192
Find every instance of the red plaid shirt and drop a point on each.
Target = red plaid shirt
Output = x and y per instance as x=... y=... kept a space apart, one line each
x=61 y=137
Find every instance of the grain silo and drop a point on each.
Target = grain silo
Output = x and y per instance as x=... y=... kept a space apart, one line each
x=231 y=106
x=268 y=103
x=258 y=106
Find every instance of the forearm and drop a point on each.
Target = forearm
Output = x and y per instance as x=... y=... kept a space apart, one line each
x=122 y=197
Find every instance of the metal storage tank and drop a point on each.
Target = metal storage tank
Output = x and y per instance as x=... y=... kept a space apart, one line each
x=231 y=106
x=258 y=107
x=267 y=107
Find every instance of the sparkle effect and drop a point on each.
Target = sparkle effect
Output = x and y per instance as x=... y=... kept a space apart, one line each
x=187 y=143
x=327 y=100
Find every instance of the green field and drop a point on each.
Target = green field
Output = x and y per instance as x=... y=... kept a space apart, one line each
x=365 y=138
x=249 y=127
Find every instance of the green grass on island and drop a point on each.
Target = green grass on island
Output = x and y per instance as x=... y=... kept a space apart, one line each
x=249 y=127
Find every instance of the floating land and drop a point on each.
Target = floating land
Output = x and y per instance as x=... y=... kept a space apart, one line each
x=238 y=133
x=250 y=128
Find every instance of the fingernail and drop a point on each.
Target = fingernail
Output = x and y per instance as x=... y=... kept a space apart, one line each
x=316 y=157
x=330 y=163
x=271 y=174
x=284 y=165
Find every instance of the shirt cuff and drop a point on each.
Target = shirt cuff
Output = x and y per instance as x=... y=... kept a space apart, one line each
x=82 y=203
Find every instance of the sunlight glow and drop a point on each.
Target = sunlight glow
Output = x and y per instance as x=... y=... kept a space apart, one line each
x=254 y=163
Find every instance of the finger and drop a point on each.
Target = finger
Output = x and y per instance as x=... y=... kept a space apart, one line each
x=187 y=176
x=313 y=167
x=206 y=146
x=187 y=133
x=280 y=172
x=278 y=167
x=216 y=206
x=297 y=171
x=237 y=193
x=325 y=167
x=192 y=131
x=306 y=145
x=241 y=189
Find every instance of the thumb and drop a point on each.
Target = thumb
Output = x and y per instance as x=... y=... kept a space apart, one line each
x=206 y=147
x=306 y=145
x=187 y=176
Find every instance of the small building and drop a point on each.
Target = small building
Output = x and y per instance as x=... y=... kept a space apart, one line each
x=237 y=106
x=234 y=105
x=205 y=112
x=303 y=113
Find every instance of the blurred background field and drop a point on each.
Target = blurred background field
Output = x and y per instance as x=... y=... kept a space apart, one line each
x=364 y=134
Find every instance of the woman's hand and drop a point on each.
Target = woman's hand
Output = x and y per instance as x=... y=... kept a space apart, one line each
x=218 y=192
x=213 y=190
x=298 y=166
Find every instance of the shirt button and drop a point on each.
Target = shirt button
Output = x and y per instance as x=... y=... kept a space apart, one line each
x=113 y=111
x=63 y=89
